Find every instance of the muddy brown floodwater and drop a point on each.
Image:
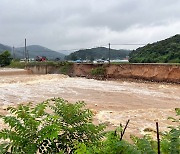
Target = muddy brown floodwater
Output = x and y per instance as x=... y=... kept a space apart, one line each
x=113 y=102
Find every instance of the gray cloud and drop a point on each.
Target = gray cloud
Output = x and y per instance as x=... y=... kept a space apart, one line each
x=65 y=24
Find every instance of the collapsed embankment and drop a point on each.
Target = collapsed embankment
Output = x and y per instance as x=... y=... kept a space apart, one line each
x=151 y=72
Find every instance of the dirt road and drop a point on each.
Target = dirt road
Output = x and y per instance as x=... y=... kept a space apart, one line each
x=113 y=102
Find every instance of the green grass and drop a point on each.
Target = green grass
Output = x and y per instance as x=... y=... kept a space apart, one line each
x=17 y=64
x=65 y=68
x=98 y=71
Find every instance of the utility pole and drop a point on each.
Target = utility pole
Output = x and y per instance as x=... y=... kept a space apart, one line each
x=158 y=140
x=109 y=52
x=25 y=54
x=13 y=53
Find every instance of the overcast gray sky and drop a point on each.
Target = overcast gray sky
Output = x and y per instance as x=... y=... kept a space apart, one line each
x=74 y=24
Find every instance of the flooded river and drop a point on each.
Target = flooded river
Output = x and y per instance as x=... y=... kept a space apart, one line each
x=113 y=102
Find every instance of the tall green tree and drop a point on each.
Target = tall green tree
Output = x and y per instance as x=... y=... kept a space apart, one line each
x=5 y=58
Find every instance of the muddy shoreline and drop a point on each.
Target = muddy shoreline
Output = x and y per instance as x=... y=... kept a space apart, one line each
x=137 y=80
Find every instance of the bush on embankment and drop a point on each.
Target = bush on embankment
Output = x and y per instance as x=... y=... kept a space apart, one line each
x=17 y=64
x=99 y=71
x=66 y=68
x=57 y=126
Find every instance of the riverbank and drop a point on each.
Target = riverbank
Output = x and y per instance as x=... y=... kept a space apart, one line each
x=169 y=73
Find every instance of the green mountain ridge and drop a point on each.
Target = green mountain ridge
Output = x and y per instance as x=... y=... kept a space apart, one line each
x=37 y=50
x=98 y=53
x=165 y=51
x=33 y=50
x=4 y=47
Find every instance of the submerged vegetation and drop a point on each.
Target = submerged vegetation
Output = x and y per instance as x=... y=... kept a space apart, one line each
x=57 y=126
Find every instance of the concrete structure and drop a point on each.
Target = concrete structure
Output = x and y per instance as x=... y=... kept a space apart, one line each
x=43 y=69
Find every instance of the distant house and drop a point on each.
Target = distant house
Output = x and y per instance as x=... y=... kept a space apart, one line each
x=39 y=58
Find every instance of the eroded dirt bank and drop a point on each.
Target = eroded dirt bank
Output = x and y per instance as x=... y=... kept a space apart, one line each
x=112 y=102
x=152 y=72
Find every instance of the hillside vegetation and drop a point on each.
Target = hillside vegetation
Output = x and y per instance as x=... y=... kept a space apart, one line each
x=98 y=53
x=33 y=50
x=165 y=51
x=37 y=50
x=4 y=48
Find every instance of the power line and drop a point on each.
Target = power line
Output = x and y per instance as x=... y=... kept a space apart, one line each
x=83 y=48
x=129 y=44
x=20 y=44
x=13 y=52
x=105 y=45
x=109 y=52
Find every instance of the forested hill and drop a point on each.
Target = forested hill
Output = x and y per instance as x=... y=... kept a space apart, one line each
x=165 y=51
x=98 y=53
x=37 y=50
x=33 y=50
x=4 y=47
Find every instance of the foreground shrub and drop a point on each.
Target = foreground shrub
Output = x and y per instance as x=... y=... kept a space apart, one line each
x=112 y=144
x=170 y=142
x=28 y=129
x=32 y=129
x=57 y=126
x=76 y=125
